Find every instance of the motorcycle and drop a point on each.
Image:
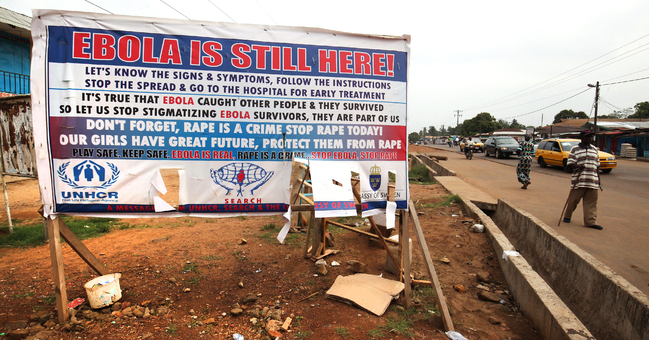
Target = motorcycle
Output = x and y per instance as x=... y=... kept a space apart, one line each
x=468 y=153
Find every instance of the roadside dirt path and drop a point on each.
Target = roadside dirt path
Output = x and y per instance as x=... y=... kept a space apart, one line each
x=192 y=267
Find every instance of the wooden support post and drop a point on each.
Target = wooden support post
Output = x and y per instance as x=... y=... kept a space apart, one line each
x=397 y=265
x=316 y=244
x=403 y=218
x=359 y=231
x=58 y=273
x=81 y=248
x=324 y=236
x=439 y=295
x=400 y=248
x=308 y=234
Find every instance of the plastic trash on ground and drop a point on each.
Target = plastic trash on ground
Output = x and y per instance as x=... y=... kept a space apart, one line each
x=104 y=290
x=477 y=228
x=455 y=335
x=237 y=336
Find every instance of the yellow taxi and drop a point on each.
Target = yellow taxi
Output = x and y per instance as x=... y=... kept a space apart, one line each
x=479 y=146
x=555 y=152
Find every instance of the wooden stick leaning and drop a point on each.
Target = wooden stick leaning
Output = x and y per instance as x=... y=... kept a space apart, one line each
x=430 y=267
x=568 y=199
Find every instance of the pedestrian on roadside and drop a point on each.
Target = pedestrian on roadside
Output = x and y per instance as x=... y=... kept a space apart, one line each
x=584 y=161
x=525 y=162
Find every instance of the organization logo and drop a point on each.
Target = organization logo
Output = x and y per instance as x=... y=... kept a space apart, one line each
x=240 y=176
x=375 y=177
x=88 y=175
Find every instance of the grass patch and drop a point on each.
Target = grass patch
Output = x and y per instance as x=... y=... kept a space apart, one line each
x=292 y=240
x=399 y=325
x=419 y=174
x=447 y=201
x=375 y=333
x=303 y=334
x=172 y=330
x=450 y=199
x=240 y=256
x=32 y=235
x=196 y=280
x=49 y=299
x=24 y=295
x=342 y=331
x=427 y=298
x=190 y=267
x=269 y=226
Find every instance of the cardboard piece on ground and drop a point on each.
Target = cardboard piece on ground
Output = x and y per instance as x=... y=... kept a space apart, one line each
x=369 y=292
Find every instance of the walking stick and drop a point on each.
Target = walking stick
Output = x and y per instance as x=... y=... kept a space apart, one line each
x=566 y=205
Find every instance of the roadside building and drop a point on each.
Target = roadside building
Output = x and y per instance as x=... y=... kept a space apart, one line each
x=15 y=53
x=611 y=134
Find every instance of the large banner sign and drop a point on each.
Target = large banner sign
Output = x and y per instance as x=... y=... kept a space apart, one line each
x=115 y=99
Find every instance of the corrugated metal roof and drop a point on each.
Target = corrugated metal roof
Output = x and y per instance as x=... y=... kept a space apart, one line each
x=15 y=19
x=631 y=125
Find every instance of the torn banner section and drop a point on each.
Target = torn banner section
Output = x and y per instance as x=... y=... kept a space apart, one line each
x=332 y=189
x=159 y=187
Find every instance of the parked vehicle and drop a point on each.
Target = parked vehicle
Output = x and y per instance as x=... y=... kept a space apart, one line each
x=555 y=152
x=501 y=146
x=478 y=147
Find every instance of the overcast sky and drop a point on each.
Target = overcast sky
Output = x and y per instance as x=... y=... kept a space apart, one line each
x=513 y=59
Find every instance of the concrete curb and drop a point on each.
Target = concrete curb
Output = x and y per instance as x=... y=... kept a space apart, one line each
x=438 y=168
x=535 y=298
x=610 y=306
x=560 y=278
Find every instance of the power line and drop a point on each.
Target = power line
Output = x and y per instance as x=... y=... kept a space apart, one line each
x=263 y=9
x=580 y=73
x=628 y=74
x=625 y=81
x=226 y=14
x=559 y=102
x=103 y=9
x=175 y=9
x=609 y=104
x=574 y=68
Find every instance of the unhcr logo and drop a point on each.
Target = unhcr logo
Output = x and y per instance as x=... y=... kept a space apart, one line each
x=88 y=175
x=375 y=177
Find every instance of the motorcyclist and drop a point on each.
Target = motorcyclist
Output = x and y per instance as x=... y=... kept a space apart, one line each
x=468 y=144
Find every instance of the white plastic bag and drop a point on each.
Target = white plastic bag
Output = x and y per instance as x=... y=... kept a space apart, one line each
x=455 y=336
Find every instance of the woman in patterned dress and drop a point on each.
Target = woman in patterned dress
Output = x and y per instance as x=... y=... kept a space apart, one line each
x=525 y=162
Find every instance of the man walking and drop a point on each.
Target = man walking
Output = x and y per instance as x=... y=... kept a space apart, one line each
x=584 y=161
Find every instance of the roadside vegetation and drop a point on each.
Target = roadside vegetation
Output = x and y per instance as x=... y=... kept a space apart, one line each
x=419 y=174
x=31 y=234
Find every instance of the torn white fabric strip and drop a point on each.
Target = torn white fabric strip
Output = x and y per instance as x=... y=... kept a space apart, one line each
x=287 y=226
x=160 y=205
x=158 y=182
x=390 y=210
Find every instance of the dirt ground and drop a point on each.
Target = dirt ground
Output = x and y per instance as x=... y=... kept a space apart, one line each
x=193 y=267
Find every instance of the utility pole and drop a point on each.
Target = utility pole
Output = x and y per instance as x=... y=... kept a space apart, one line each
x=596 y=86
x=458 y=115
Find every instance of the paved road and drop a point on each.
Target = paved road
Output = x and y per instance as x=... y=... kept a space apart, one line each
x=623 y=207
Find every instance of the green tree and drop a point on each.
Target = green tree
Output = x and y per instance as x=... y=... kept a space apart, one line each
x=482 y=123
x=641 y=110
x=569 y=114
x=516 y=125
x=455 y=130
x=413 y=137
x=622 y=114
x=432 y=131
x=504 y=123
